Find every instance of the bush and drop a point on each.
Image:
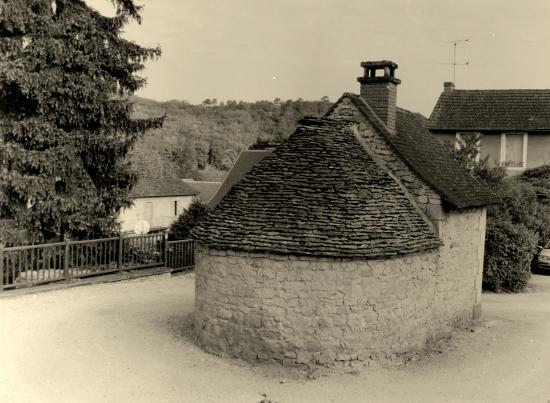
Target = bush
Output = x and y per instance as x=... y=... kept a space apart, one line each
x=142 y=254
x=184 y=224
x=517 y=203
x=538 y=179
x=536 y=176
x=509 y=249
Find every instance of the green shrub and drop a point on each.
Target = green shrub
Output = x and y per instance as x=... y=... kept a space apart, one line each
x=539 y=181
x=517 y=203
x=509 y=249
x=184 y=224
x=536 y=176
x=141 y=254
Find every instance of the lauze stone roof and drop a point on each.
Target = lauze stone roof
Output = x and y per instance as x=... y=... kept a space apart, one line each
x=429 y=157
x=525 y=110
x=319 y=193
x=246 y=160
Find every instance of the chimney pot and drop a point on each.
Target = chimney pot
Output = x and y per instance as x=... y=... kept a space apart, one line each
x=448 y=86
x=379 y=89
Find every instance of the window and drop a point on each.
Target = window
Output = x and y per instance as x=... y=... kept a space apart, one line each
x=148 y=211
x=175 y=207
x=513 y=150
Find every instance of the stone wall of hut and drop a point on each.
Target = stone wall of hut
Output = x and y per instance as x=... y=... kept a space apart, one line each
x=307 y=310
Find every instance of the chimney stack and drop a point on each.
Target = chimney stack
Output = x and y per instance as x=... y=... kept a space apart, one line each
x=448 y=86
x=379 y=88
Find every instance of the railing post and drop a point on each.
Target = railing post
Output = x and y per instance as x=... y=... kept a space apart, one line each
x=120 y=246
x=165 y=249
x=2 y=267
x=66 y=260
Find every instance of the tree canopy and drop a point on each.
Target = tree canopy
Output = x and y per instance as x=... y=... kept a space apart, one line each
x=66 y=124
x=186 y=221
x=203 y=141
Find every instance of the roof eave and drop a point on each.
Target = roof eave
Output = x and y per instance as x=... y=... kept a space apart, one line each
x=162 y=195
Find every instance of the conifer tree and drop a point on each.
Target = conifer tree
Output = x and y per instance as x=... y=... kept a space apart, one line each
x=66 y=80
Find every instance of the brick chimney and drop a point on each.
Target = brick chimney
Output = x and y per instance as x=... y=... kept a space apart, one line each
x=379 y=88
x=448 y=86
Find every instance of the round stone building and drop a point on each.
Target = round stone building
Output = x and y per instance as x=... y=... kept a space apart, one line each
x=347 y=243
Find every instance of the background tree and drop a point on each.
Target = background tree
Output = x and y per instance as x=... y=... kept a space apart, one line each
x=186 y=221
x=66 y=117
x=203 y=142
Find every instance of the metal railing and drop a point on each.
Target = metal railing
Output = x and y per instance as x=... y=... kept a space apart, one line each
x=180 y=254
x=25 y=266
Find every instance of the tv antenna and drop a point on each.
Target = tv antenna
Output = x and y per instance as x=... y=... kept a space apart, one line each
x=454 y=63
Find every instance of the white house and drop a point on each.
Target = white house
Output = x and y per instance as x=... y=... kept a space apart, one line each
x=158 y=202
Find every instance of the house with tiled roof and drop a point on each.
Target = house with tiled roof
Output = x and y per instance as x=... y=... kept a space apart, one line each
x=514 y=125
x=356 y=240
x=206 y=190
x=156 y=203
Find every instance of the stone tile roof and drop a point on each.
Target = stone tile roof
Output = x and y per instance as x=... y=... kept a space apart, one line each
x=205 y=190
x=523 y=110
x=245 y=161
x=429 y=157
x=319 y=193
x=157 y=187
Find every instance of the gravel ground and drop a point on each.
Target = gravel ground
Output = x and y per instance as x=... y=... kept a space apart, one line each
x=131 y=342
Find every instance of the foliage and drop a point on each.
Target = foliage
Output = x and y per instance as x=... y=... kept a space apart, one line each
x=517 y=203
x=66 y=124
x=466 y=149
x=516 y=224
x=491 y=175
x=519 y=208
x=539 y=178
x=141 y=254
x=184 y=224
x=466 y=153
x=209 y=136
x=509 y=249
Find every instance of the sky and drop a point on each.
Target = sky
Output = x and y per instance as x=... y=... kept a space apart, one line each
x=265 y=49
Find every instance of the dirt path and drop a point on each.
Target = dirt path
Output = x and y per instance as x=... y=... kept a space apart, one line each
x=130 y=342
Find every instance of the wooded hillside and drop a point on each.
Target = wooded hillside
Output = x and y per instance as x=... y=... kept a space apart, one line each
x=203 y=141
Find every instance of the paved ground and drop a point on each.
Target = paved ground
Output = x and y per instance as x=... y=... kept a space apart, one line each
x=130 y=342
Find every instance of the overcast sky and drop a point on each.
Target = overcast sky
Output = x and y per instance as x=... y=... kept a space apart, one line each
x=264 y=49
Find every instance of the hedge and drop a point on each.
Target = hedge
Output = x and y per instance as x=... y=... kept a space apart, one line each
x=509 y=249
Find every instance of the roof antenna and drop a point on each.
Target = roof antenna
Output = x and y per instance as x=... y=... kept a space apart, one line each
x=454 y=63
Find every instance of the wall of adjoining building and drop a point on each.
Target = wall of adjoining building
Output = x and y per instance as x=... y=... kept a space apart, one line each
x=159 y=212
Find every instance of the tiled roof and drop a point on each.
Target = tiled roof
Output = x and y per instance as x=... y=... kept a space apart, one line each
x=205 y=190
x=319 y=193
x=245 y=161
x=156 y=187
x=429 y=157
x=525 y=110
